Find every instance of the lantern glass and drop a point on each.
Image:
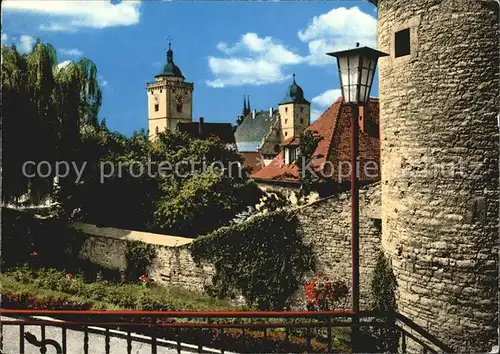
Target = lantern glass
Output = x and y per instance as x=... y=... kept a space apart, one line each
x=367 y=69
x=356 y=72
x=349 y=75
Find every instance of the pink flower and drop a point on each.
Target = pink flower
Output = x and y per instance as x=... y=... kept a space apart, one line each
x=69 y=276
x=143 y=278
x=105 y=282
x=33 y=253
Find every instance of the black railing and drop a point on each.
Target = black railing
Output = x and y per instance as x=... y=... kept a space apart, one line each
x=203 y=332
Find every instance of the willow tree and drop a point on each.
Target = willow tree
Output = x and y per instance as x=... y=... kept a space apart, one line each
x=44 y=106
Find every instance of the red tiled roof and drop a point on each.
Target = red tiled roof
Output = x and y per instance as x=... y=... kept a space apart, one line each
x=293 y=141
x=333 y=147
x=252 y=161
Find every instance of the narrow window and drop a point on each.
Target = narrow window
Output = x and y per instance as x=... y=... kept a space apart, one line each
x=301 y=109
x=286 y=109
x=402 y=43
x=157 y=130
x=286 y=133
x=286 y=121
x=157 y=107
x=301 y=120
x=160 y=90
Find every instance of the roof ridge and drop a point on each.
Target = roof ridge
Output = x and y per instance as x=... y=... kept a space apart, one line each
x=339 y=113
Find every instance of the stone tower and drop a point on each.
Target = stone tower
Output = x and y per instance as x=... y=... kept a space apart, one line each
x=295 y=112
x=170 y=99
x=439 y=101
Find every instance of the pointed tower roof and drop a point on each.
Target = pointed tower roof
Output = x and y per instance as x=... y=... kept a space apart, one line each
x=248 y=104
x=244 y=111
x=294 y=94
x=170 y=69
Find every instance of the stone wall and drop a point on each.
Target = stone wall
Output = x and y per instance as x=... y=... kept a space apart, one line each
x=326 y=225
x=173 y=263
x=440 y=165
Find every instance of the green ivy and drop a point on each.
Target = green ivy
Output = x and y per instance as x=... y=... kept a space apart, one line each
x=263 y=259
x=384 y=339
x=139 y=257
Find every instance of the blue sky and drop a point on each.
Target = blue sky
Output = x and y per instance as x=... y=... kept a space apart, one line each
x=227 y=49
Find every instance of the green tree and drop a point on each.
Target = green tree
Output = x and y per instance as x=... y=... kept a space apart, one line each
x=44 y=108
x=205 y=194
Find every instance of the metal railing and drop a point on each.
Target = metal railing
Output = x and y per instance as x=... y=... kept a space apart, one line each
x=23 y=331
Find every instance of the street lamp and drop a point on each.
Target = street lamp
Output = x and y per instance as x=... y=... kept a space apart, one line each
x=356 y=71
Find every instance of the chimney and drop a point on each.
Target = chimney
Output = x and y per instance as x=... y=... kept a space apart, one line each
x=271 y=112
x=200 y=126
x=363 y=119
x=253 y=114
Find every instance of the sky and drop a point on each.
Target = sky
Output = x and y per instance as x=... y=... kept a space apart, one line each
x=228 y=49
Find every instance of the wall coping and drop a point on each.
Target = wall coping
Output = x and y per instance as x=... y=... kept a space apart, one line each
x=131 y=235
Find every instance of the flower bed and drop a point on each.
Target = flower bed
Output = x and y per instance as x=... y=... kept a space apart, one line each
x=24 y=288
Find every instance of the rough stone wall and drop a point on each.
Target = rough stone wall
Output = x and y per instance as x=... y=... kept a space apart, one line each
x=326 y=225
x=173 y=264
x=438 y=112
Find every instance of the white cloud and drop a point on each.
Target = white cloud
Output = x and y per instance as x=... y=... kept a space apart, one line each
x=102 y=82
x=4 y=37
x=63 y=64
x=327 y=98
x=74 y=52
x=73 y=15
x=315 y=113
x=26 y=43
x=338 y=29
x=252 y=61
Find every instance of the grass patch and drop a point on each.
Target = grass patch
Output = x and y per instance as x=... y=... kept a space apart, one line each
x=54 y=285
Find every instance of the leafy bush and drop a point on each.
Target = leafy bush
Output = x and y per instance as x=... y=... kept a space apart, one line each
x=386 y=338
x=139 y=257
x=263 y=259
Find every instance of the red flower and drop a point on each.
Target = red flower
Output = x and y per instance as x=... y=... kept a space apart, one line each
x=143 y=278
x=69 y=276
x=33 y=253
x=105 y=282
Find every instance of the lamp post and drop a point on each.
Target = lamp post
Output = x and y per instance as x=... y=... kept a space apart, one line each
x=356 y=71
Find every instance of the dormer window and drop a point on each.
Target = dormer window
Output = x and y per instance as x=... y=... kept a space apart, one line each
x=290 y=154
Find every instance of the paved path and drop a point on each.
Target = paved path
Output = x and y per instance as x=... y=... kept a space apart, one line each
x=75 y=342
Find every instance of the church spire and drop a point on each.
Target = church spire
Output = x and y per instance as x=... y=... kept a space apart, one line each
x=244 y=111
x=248 y=105
x=170 y=52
